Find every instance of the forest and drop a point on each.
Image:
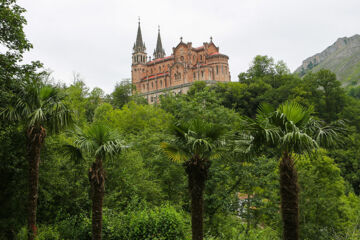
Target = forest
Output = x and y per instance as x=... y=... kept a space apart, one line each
x=269 y=156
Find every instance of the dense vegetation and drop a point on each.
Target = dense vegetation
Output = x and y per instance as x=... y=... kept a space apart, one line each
x=128 y=170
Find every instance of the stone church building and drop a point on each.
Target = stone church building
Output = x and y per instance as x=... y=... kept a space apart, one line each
x=175 y=73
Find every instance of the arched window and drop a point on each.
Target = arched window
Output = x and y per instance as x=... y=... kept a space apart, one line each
x=217 y=70
x=160 y=83
x=222 y=69
x=194 y=75
x=159 y=68
x=202 y=74
x=151 y=70
x=200 y=57
x=152 y=85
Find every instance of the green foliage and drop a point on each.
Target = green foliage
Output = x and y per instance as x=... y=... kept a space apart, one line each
x=195 y=139
x=325 y=208
x=12 y=33
x=141 y=179
x=39 y=105
x=44 y=233
x=124 y=93
x=133 y=118
x=161 y=224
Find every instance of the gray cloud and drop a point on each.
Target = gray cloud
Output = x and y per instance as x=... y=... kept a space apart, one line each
x=95 y=38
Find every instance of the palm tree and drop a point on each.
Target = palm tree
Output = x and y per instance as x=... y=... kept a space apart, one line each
x=194 y=145
x=98 y=142
x=291 y=130
x=40 y=108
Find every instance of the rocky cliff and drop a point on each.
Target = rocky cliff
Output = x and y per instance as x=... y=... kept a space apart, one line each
x=342 y=57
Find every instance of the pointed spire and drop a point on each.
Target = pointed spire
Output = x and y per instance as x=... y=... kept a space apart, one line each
x=159 y=51
x=139 y=44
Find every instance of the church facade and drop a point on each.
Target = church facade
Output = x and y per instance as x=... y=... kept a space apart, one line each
x=177 y=72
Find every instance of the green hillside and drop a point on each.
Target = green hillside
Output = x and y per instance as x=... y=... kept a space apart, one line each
x=342 y=57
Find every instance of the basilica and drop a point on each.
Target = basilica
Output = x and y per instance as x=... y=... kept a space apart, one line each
x=176 y=72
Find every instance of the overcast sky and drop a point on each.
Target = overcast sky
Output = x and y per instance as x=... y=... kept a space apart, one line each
x=95 y=37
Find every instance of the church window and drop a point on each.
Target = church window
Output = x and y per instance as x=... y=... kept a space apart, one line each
x=194 y=57
x=225 y=69
x=194 y=75
x=151 y=71
x=160 y=83
x=222 y=69
x=152 y=85
x=200 y=57
x=182 y=58
x=159 y=68
x=217 y=70
x=202 y=74
x=135 y=69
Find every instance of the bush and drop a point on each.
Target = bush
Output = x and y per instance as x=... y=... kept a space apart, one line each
x=75 y=227
x=44 y=233
x=161 y=223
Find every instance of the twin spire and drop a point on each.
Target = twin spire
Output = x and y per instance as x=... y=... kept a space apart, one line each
x=159 y=51
x=139 y=45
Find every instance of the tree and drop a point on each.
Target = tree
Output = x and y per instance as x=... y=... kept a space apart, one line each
x=125 y=92
x=290 y=129
x=195 y=144
x=325 y=207
x=99 y=142
x=326 y=94
x=39 y=108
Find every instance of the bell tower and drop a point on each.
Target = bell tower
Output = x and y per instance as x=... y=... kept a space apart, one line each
x=138 y=60
x=139 y=49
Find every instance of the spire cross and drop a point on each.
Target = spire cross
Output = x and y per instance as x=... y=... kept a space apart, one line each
x=181 y=39
x=211 y=39
x=159 y=28
x=139 y=19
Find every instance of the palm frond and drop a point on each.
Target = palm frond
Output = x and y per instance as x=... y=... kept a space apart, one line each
x=73 y=152
x=174 y=153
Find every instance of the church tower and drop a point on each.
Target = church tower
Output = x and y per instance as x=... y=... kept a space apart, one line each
x=139 y=49
x=139 y=56
x=159 y=51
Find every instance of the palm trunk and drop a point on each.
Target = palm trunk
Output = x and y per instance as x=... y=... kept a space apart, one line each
x=289 y=191
x=97 y=181
x=36 y=138
x=197 y=174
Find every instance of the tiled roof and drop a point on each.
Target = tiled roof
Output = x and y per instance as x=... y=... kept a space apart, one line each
x=155 y=75
x=160 y=59
x=215 y=53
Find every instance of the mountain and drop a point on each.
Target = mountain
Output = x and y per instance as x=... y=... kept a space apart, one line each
x=342 y=57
